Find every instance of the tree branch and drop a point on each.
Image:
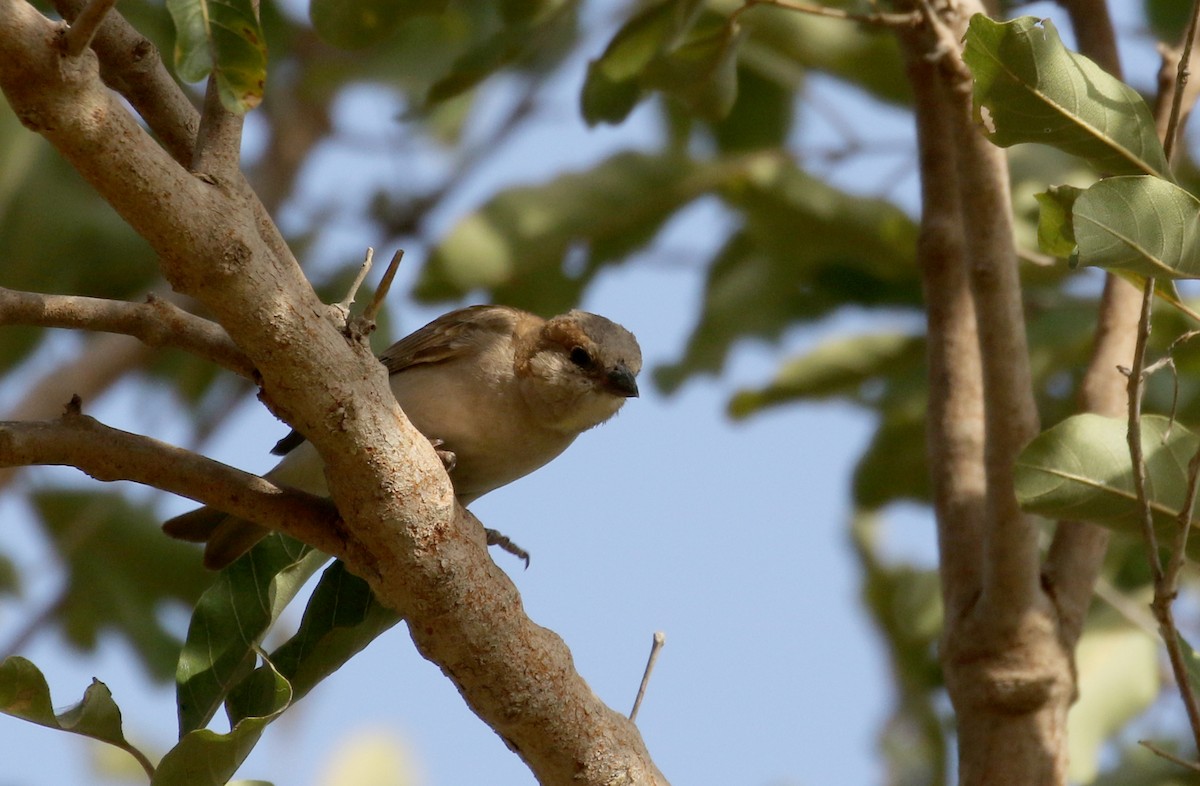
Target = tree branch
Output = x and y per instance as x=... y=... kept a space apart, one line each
x=156 y=323
x=108 y=454
x=404 y=533
x=955 y=421
x=1011 y=578
x=130 y=64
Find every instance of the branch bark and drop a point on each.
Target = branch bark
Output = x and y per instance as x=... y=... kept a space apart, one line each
x=156 y=323
x=404 y=533
x=1007 y=672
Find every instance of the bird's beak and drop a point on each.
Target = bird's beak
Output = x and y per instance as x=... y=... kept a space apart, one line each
x=621 y=382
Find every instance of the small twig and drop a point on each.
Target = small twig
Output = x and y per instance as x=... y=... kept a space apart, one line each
x=1181 y=83
x=83 y=29
x=345 y=303
x=1179 y=547
x=1136 y=388
x=156 y=323
x=385 y=284
x=880 y=18
x=656 y=646
x=1171 y=757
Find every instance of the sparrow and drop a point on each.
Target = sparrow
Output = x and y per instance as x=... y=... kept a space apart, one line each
x=500 y=391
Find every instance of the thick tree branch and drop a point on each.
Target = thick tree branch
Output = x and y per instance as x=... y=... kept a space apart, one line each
x=404 y=533
x=130 y=64
x=954 y=425
x=1011 y=578
x=156 y=323
x=1007 y=673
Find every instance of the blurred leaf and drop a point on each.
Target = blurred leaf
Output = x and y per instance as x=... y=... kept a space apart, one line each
x=24 y=694
x=544 y=36
x=761 y=117
x=805 y=250
x=838 y=367
x=516 y=244
x=1056 y=235
x=905 y=606
x=1117 y=664
x=224 y=38
x=1142 y=225
x=1080 y=469
x=119 y=570
x=675 y=47
x=784 y=44
x=1030 y=88
x=894 y=465
x=342 y=617
x=357 y=24
x=702 y=70
x=206 y=758
x=230 y=620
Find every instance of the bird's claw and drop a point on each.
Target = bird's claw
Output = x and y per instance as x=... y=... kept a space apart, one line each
x=497 y=538
x=449 y=460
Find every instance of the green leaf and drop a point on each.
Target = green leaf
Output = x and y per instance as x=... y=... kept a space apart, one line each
x=342 y=617
x=119 y=570
x=540 y=38
x=839 y=367
x=357 y=24
x=851 y=250
x=675 y=47
x=1080 y=469
x=613 y=86
x=224 y=38
x=1056 y=234
x=206 y=758
x=1030 y=88
x=702 y=70
x=24 y=694
x=231 y=619
x=516 y=244
x=1142 y=225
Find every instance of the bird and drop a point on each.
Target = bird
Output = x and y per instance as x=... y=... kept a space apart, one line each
x=500 y=391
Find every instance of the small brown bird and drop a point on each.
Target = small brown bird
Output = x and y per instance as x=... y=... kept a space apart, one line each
x=503 y=390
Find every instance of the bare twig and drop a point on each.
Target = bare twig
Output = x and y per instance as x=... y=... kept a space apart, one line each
x=1165 y=581
x=109 y=454
x=1171 y=757
x=345 y=303
x=1181 y=84
x=1136 y=389
x=385 y=284
x=156 y=323
x=656 y=646
x=81 y=31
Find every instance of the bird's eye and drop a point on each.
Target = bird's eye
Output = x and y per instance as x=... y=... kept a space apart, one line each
x=581 y=357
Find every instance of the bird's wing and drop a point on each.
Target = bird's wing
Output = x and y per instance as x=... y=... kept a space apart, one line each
x=450 y=336
x=445 y=338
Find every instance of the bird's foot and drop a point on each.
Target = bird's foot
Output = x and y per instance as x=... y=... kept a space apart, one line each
x=449 y=460
x=497 y=538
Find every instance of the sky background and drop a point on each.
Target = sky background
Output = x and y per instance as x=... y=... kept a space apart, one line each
x=729 y=537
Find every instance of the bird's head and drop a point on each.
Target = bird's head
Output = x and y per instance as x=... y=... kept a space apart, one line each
x=578 y=370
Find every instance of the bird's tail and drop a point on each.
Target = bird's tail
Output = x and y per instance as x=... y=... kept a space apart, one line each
x=226 y=537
